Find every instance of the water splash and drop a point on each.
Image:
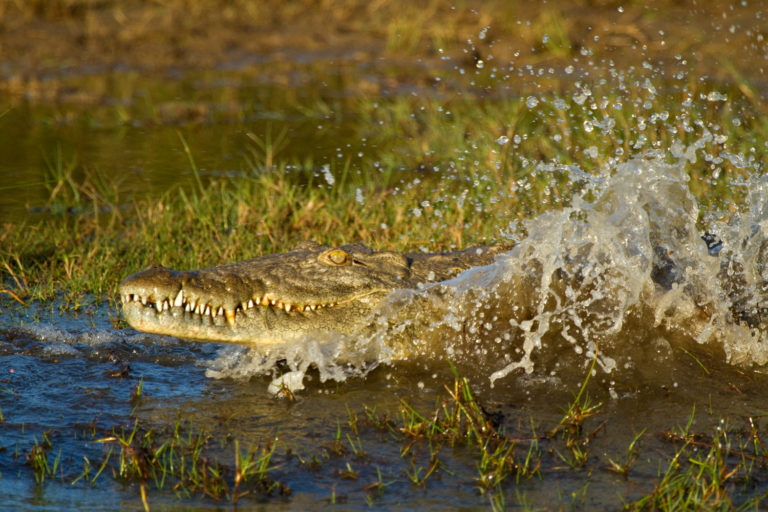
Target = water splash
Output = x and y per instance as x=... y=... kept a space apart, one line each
x=620 y=273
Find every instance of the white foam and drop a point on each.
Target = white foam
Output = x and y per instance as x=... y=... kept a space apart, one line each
x=580 y=286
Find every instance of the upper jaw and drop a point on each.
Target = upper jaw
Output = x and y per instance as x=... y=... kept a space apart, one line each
x=214 y=294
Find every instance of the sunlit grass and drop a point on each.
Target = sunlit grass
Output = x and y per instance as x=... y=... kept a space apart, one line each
x=435 y=173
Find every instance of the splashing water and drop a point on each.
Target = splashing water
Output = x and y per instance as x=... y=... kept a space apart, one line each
x=624 y=279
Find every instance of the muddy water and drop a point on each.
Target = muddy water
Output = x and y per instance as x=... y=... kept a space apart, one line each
x=72 y=380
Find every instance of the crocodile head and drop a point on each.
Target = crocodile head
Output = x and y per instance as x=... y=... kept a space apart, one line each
x=280 y=297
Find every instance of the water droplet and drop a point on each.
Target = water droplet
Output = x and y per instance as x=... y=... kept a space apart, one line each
x=328 y=175
x=532 y=101
x=716 y=96
x=502 y=140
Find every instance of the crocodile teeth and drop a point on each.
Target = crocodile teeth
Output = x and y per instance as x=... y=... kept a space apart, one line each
x=230 y=314
x=197 y=306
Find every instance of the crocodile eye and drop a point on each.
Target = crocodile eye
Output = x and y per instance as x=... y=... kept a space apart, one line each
x=336 y=257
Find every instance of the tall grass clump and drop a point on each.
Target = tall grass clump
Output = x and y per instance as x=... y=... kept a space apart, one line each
x=438 y=174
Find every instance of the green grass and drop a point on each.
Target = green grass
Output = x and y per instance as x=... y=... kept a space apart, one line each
x=437 y=174
x=708 y=471
x=181 y=461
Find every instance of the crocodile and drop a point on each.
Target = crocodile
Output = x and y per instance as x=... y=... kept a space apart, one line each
x=319 y=289
x=314 y=288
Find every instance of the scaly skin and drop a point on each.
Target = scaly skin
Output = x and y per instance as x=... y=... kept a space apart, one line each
x=280 y=297
x=317 y=289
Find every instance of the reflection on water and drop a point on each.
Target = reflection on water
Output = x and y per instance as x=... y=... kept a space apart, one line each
x=129 y=134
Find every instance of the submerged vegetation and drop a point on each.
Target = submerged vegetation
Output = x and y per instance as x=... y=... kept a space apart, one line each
x=376 y=454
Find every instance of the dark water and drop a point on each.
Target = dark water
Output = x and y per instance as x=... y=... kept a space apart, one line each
x=128 y=137
x=71 y=379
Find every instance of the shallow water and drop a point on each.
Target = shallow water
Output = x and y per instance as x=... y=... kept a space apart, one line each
x=72 y=379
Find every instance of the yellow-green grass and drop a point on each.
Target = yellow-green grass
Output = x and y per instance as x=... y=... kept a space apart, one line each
x=437 y=173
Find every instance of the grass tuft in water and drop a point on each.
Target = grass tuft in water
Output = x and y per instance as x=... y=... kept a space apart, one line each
x=707 y=472
x=184 y=462
x=459 y=422
x=38 y=459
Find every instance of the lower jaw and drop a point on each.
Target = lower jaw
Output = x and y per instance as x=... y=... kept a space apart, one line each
x=181 y=324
